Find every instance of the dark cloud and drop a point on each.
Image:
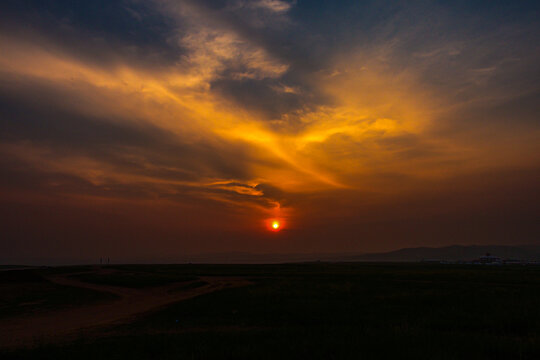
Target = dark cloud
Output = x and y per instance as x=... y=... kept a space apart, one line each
x=102 y=32
x=284 y=38
x=39 y=114
x=266 y=97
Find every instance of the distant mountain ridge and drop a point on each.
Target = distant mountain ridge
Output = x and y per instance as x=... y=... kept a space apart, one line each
x=446 y=253
x=451 y=253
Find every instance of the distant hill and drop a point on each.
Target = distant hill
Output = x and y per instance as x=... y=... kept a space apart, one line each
x=451 y=253
x=448 y=253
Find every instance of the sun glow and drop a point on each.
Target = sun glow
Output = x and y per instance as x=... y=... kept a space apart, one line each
x=276 y=223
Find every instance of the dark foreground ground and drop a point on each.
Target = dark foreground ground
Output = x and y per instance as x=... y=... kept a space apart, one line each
x=300 y=311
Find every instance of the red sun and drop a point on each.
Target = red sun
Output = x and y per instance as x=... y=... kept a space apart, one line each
x=274 y=225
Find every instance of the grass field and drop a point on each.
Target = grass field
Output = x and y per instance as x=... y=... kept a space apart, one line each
x=137 y=279
x=25 y=292
x=326 y=311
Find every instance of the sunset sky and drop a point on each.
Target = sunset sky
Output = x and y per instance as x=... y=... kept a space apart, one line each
x=148 y=130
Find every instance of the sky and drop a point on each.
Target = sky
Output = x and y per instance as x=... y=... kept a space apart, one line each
x=152 y=130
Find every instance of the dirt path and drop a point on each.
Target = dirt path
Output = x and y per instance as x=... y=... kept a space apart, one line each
x=54 y=325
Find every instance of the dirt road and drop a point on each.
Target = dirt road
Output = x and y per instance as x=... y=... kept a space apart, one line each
x=56 y=325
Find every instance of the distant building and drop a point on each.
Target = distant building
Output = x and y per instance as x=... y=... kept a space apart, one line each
x=488 y=259
x=513 y=262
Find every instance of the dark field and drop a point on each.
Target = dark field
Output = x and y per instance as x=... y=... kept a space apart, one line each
x=301 y=311
x=27 y=292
